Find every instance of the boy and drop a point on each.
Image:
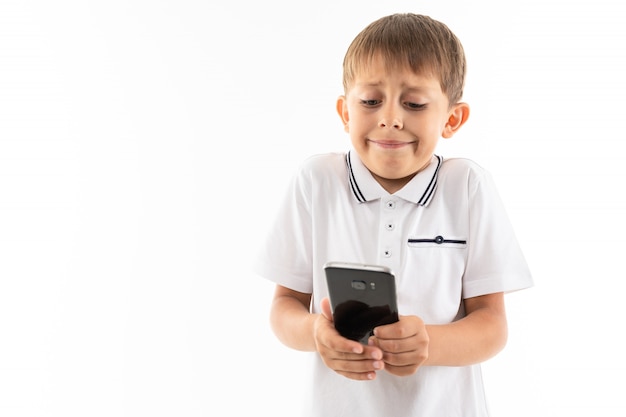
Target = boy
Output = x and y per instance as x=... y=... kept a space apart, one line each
x=437 y=223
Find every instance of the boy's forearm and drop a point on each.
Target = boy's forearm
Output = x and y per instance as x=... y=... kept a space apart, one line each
x=473 y=339
x=293 y=323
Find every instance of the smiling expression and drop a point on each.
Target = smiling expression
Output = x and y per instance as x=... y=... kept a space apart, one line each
x=395 y=119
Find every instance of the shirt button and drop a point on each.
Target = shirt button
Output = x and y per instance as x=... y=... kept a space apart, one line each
x=387 y=253
x=391 y=204
x=389 y=226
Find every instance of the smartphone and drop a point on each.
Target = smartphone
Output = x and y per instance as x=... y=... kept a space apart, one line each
x=362 y=297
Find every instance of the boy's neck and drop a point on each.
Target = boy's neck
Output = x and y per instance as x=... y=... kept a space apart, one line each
x=393 y=185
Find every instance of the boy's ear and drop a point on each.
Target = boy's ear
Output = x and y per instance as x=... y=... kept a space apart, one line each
x=342 y=110
x=457 y=118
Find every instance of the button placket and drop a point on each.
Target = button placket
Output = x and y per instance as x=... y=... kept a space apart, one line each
x=389 y=239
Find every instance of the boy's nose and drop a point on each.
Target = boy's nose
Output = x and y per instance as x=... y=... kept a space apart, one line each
x=390 y=118
x=395 y=123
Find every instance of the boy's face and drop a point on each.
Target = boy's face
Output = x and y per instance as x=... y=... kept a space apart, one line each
x=395 y=119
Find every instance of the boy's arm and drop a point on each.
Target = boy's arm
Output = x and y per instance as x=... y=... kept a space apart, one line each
x=480 y=335
x=299 y=329
x=409 y=343
x=291 y=320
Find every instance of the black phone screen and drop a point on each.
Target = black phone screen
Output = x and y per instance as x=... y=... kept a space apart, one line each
x=362 y=298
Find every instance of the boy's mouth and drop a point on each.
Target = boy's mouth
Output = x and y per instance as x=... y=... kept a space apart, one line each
x=390 y=144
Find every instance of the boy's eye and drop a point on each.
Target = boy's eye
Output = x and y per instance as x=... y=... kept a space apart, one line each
x=370 y=102
x=415 y=106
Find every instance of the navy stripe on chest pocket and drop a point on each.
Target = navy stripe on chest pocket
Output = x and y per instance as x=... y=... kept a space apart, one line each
x=437 y=240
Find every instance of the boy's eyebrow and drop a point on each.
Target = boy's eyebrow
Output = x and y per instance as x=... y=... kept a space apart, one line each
x=418 y=88
x=370 y=84
x=413 y=88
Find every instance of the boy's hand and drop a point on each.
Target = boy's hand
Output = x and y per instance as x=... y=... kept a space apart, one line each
x=404 y=345
x=346 y=357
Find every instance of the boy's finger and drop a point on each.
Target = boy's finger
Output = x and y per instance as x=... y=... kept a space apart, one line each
x=326 y=311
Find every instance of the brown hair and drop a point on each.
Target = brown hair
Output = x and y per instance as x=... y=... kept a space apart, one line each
x=418 y=42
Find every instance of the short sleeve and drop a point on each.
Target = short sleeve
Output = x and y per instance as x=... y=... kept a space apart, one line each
x=495 y=260
x=285 y=257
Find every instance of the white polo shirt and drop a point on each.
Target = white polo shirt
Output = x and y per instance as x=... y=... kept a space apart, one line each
x=446 y=237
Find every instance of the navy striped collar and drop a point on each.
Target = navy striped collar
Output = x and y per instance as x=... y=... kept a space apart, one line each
x=365 y=188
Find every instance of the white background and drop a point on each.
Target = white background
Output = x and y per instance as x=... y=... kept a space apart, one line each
x=144 y=146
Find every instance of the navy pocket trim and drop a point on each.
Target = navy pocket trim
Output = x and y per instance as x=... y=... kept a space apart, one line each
x=438 y=240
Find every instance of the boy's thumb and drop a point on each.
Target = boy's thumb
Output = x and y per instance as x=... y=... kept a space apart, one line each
x=325 y=306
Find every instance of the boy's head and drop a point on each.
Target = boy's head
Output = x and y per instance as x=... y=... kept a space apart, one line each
x=403 y=82
x=419 y=43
